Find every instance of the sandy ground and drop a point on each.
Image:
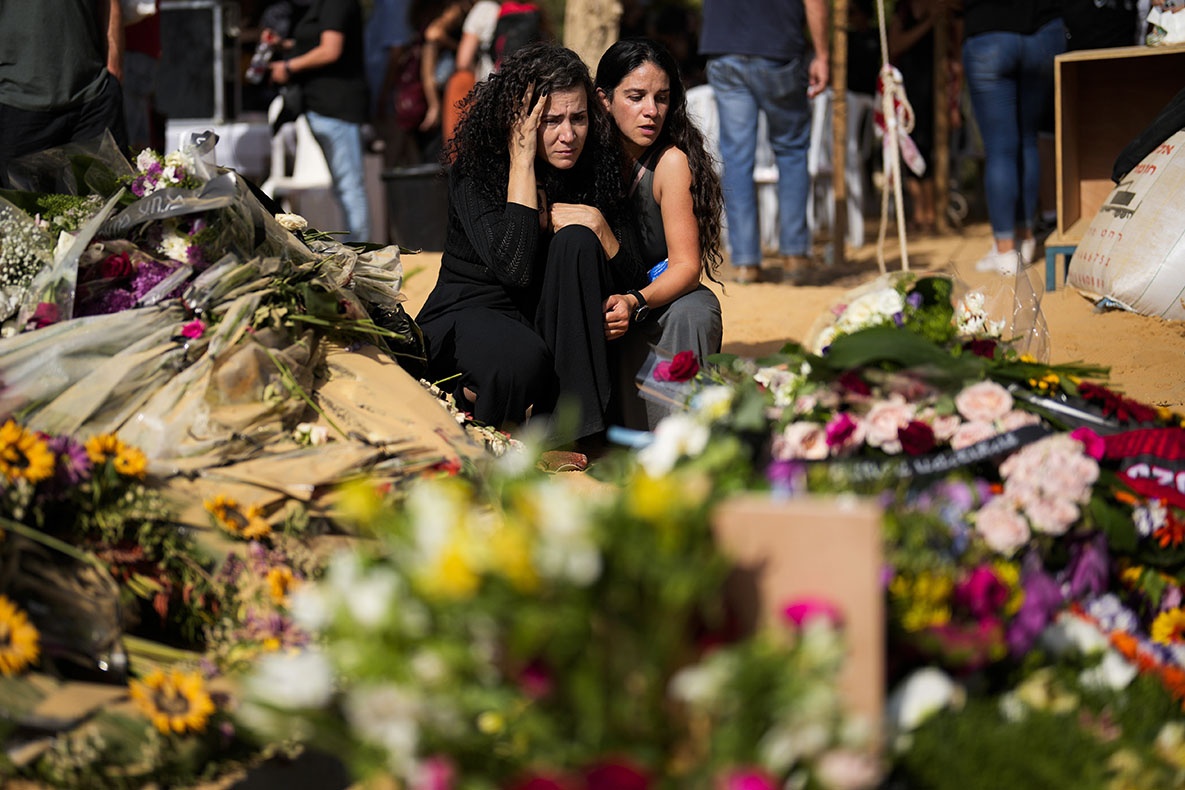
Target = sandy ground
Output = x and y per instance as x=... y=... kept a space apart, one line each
x=1146 y=355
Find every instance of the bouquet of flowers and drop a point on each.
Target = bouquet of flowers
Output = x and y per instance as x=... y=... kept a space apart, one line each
x=1021 y=499
x=523 y=632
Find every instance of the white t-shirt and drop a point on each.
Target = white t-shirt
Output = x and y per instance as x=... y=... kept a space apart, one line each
x=481 y=21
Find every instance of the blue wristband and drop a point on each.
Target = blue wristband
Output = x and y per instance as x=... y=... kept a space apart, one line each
x=656 y=270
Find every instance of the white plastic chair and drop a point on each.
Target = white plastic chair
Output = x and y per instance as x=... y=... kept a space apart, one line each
x=701 y=107
x=821 y=199
x=309 y=172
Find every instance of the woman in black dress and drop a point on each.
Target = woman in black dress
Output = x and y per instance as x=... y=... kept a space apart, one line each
x=538 y=253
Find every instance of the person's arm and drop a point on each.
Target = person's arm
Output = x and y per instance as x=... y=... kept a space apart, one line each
x=467 y=52
x=505 y=236
x=820 y=69
x=672 y=191
x=564 y=214
x=328 y=50
x=115 y=38
x=429 y=54
x=902 y=39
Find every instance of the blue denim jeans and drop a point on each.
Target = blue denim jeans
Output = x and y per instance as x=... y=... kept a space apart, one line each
x=744 y=85
x=341 y=141
x=1010 y=77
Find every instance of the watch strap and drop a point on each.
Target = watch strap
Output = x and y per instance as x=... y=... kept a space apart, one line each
x=642 y=306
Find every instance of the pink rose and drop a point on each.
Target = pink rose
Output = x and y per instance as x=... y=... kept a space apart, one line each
x=1004 y=530
x=983 y=402
x=193 y=330
x=1016 y=419
x=884 y=420
x=806 y=440
x=44 y=314
x=683 y=367
x=970 y=433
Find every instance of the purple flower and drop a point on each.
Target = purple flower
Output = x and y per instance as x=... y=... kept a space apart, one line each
x=899 y=319
x=114 y=301
x=139 y=186
x=1086 y=574
x=786 y=477
x=154 y=169
x=194 y=256
x=1043 y=598
x=914 y=300
x=73 y=464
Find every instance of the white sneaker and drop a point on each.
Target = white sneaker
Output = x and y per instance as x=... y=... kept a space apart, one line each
x=998 y=262
x=1028 y=250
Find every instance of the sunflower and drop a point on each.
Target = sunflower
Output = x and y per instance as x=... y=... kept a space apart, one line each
x=246 y=523
x=131 y=462
x=174 y=702
x=1169 y=627
x=24 y=454
x=18 y=639
x=102 y=447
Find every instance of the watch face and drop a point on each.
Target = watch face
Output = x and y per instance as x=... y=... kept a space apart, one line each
x=641 y=313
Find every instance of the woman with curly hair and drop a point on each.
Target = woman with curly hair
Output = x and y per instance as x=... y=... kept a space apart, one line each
x=677 y=202
x=538 y=252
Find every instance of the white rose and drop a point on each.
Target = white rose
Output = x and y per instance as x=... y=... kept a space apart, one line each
x=924 y=693
x=292 y=222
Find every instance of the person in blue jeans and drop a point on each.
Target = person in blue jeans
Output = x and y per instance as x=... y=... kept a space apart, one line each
x=1008 y=59
x=325 y=56
x=758 y=62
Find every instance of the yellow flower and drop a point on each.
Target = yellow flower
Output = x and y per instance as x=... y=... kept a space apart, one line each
x=653 y=499
x=1131 y=576
x=510 y=546
x=452 y=576
x=1169 y=627
x=174 y=702
x=19 y=640
x=925 y=600
x=131 y=462
x=280 y=582
x=246 y=523
x=23 y=454
x=102 y=447
x=1009 y=575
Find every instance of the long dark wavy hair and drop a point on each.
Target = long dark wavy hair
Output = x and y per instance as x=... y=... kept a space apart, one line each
x=479 y=148
x=679 y=130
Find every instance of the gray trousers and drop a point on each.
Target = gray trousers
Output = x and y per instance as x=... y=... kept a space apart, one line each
x=690 y=323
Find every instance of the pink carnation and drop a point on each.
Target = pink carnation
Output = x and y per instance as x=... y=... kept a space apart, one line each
x=800 y=611
x=970 y=433
x=1003 y=529
x=1092 y=443
x=983 y=402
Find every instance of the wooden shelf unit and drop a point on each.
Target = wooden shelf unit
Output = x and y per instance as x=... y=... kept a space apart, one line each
x=1104 y=98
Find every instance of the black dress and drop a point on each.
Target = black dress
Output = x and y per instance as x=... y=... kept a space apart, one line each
x=516 y=313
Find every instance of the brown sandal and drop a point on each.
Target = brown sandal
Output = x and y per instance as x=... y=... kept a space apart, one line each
x=563 y=461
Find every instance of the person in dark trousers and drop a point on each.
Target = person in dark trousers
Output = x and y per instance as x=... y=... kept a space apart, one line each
x=538 y=255
x=60 y=67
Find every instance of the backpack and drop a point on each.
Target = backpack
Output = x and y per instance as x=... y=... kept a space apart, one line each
x=518 y=24
x=411 y=105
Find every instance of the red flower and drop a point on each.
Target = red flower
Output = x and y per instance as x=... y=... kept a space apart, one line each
x=917 y=438
x=116 y=266
x=615 y=776
x=542 y=782
x=682 y=368
x=981 y=348
x=45 y=314
x=854 y=383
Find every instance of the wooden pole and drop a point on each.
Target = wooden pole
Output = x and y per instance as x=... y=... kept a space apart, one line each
x=839 y=128
x=941 y=162
x=591 y=27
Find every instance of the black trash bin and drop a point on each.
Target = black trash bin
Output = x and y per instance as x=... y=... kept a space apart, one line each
x=417 y=206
